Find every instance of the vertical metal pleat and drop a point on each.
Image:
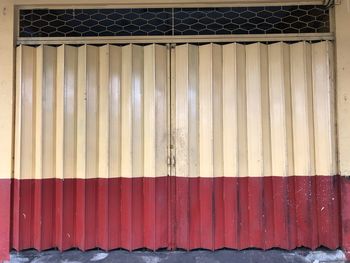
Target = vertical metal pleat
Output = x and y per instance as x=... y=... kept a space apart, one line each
x=185 y=133
x=205 y=98
x=301 y=91
x=160 y=109
x=126 y=112
x=38 y=109
x=114 y=105
x=68 y=99
x=280 y=109
x=185 y=107
x=81 y=103
x=24 y=145
x=25 y=113
x=103 y=123
x=230 y=96
x=259 y=159
x=281 y=144
x=93 y=91
x=149 y=98
x=48 y=111
x=323 y=108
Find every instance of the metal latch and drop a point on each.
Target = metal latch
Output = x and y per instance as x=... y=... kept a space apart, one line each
x=171 y=160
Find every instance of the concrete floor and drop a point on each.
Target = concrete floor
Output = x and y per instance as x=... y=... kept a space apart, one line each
x=199 y=256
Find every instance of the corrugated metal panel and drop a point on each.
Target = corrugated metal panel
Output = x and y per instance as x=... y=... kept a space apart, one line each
x=85 y=113
x=281 y=94
x=79 y=108
x=253 y=127
x=255 y=148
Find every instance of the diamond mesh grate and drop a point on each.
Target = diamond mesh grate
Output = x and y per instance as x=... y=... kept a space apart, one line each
x=252 y=20
x=178 y=21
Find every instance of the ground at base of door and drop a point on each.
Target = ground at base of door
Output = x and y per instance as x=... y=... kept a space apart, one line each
x=197 y=256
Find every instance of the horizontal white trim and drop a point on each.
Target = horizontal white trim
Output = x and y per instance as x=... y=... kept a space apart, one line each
x=157 y=3
x=175 y=39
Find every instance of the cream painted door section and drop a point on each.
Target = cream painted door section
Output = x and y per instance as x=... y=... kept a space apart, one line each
x=91 y=112
x=239 y=110
x=324 y=108
x=254 y=110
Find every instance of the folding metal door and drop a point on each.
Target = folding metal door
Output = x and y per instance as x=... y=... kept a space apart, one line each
x=91 y=147
x=254 y=135
x=246 y=158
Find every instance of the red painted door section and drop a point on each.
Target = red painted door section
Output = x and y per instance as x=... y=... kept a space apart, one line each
x=195 y=146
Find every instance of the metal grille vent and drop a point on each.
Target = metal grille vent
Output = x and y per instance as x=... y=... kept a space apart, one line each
x=177 y=21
